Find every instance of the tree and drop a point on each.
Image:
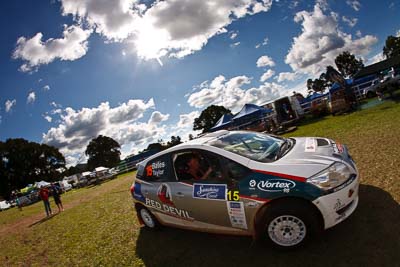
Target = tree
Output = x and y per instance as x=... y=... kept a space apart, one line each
x=175 y=140
x=23 y=162
x=318 y=85
x=392 y=47
x=333 y=76
x=348 y=64
x=103 y=151
x=209 y=117
x=155 y=146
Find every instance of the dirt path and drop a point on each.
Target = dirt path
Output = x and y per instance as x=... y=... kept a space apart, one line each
x=29 y=222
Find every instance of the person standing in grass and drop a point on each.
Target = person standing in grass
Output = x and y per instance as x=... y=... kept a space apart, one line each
x=44 y=195
x=56 y=191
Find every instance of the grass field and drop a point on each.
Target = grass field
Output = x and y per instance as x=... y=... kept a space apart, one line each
x=99 y=228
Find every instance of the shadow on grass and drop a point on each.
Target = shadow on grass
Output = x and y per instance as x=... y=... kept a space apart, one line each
x=369 y=237
x=43 y=220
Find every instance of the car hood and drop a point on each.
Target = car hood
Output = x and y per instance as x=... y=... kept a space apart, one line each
x=308 y=156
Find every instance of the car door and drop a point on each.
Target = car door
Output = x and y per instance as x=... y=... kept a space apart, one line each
x=154 y=190
x=207 y=200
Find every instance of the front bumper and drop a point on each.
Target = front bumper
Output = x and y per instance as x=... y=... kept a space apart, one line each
x=337 y=206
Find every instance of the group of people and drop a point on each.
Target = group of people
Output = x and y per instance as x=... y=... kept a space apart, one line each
x=44 y=194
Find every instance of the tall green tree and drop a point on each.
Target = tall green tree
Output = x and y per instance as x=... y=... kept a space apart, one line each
x=318 y=85
x=392 y=46
x=103 y=151
x=348 y=64
x=23 y=162
x=209 y=117
x=175 y=140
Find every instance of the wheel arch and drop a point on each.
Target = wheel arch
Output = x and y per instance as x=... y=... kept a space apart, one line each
x=258 y=218
x=138 y=206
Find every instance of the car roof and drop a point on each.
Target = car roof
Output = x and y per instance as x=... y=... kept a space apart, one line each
x=197 y=142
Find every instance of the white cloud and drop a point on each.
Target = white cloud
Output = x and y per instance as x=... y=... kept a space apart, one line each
x=354 y=4
x=184 y=126
x=55 y=105
x=9 y=104
x=233 y=35
x=398 y=33
x=350 y=21
x=46 y=87
x=264 y=42
x=78 y=127
x=268 y=74
x=231 y=95
x=376 y=58
x=35 y=52
x=48 y=118
x=235 y=44
x=289 y=76
x=186 y=120
x=265 y=61
x=56 y=111
x=321 y=41
x=174 y=28
x=293 y=4
x=157 y=117
x=358 y=33
x=31 y=98
x=323 y=4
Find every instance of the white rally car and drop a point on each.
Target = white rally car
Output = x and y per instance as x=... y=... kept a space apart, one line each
x=247 y=183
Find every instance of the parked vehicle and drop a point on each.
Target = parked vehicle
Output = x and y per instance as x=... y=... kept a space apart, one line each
x=65 y=185
x=282 y=190
x=4 y=205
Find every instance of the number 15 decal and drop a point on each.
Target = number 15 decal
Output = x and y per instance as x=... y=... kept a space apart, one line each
x=232 y=195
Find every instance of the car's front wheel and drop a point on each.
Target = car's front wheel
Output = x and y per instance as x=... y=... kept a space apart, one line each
x=289 y=224
x=148 y=218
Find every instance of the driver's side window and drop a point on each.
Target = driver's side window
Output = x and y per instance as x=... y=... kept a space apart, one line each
x=197 y=165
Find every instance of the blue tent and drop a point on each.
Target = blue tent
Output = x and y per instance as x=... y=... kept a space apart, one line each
x=337 y=86
x=313 y=96
x=250 y=110
x=249 y=113
x=223 y=122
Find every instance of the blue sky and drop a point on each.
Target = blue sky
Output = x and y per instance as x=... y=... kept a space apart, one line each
x=140 y=71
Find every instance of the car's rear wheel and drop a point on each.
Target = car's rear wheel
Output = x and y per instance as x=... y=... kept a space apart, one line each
x=289 y=224
x=148 y=218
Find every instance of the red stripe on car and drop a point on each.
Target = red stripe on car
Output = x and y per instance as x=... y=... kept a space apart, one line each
x=255 y=198
x=283 y=175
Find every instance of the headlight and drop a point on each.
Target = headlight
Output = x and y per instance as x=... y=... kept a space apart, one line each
x=332 y=177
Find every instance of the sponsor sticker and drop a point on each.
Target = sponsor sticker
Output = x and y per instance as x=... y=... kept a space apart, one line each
x=156 y=169
x=209 y=191
x=273 y=185
x=338 y=205
x=164 y=194
x=338 y=148
x=237 y=215
x=311 y=145
x=169 y=210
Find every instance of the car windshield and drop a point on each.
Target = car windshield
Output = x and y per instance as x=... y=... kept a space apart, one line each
x=255 y=146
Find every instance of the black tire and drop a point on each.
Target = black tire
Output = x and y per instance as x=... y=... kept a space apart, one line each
x=149 y=220
x=289 y=224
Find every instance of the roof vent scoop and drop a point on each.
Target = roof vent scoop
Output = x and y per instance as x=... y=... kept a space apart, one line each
x=322 y=142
